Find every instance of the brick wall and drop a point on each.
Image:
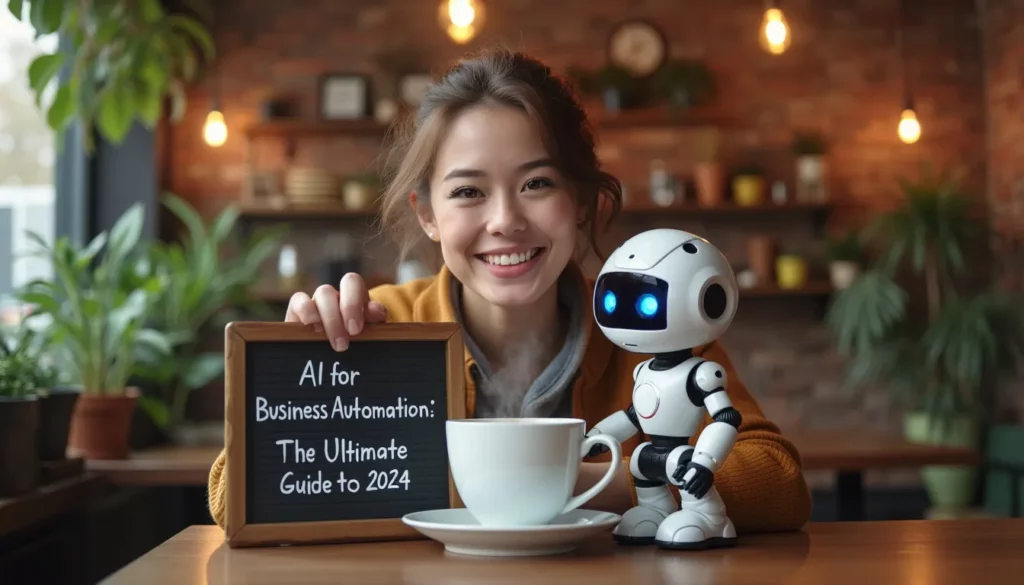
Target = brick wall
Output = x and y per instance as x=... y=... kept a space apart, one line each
x=1003 y=25
x=841 y=75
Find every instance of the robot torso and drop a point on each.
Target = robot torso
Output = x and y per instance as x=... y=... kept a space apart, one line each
x=668 y=402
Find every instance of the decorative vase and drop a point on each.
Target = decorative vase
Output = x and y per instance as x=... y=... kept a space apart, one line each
x=842 y=273
x=101 y=423
x=810 y=179
x=761 y=258
x=55 y=409
x=748 y=190
x=19 y=453
x=790 y=271
x=709 y=181
x=357 y=195
x=952 y=486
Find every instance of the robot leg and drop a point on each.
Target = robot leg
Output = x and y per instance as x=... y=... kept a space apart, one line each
x=654 y=503
x=700 y=523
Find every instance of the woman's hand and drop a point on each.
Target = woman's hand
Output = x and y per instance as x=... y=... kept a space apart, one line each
x=341 y=312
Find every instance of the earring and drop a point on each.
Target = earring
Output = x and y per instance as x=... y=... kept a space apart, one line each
x=430 y=235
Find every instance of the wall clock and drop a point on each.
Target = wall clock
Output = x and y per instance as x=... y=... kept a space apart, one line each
x=637 y=46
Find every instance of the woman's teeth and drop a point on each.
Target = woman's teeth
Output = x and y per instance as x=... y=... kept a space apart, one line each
x=510 y=259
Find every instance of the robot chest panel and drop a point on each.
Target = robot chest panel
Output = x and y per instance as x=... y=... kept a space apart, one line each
x=660 y=397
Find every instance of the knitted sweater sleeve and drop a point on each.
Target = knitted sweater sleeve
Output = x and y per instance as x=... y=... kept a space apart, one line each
x=761 y=481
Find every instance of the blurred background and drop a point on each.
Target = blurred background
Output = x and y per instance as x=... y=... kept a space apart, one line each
x=168 y=166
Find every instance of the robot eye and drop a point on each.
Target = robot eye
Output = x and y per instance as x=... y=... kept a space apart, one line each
x=609 y=302
x=647 y=305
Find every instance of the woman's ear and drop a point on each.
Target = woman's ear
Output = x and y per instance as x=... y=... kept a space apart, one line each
x=424 y=216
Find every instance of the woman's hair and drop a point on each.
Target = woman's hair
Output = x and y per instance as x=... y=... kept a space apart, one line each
x=506 y=78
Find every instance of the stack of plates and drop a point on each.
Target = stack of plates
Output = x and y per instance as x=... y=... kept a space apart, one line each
x=310 y=185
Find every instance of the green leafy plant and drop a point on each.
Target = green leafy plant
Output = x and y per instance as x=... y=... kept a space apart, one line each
x=846 y=247
x=945 y=360
x=126 y=58
x=207 y=282
x=25 y=368
x=683 y=82
x=97 y=324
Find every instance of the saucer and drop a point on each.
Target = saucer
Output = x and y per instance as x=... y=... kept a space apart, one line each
x=462 y=534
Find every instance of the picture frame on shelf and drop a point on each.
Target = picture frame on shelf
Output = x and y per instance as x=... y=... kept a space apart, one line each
x=412 y=87
x=344 y=96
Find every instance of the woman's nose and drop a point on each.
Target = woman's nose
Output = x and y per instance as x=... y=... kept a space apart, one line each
x=505 y=215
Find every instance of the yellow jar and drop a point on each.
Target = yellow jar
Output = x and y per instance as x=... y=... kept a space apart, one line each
x=790 y=271
x=748 y=190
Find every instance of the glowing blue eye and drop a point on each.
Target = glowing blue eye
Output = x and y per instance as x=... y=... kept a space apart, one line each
x=647 y=305
x=609 y=302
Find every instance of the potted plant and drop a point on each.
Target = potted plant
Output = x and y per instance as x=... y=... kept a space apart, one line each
x=845 y=254
x=19 y=423
x=207 y=282
x=811 y=173
x=360 y=191
x=748 y=186
x=615 y=85
x=942 y=362
x=56 y=403
x=708 y=174
x=683 y=83
x=99 y=329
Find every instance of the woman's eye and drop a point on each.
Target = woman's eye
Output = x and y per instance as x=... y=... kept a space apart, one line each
x=465 y=192
x=537 y=183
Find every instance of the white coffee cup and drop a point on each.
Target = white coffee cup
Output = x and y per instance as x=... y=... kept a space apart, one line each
x=522 y=471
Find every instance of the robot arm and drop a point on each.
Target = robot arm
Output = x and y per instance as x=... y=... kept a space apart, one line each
x=621 y=425
x=717 y=439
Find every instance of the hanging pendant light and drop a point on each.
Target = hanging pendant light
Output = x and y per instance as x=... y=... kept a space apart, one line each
x=775 y=36
x=461 y=19
x=909 y=127
x=215 y=130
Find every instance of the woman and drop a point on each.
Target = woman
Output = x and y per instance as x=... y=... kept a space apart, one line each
x=500 y=171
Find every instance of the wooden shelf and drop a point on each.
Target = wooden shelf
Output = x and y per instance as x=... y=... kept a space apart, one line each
x=811 y=289
x=295 y=128
x=296 y=211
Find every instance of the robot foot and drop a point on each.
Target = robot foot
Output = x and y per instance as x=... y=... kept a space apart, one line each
x=689 y=530
x=638 y=526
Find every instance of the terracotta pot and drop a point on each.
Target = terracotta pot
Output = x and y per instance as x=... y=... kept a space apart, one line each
x=709 y=178
x=761 y=259
x=101 y=423
x=19 y=455
x=55 y=410
x=748 y=190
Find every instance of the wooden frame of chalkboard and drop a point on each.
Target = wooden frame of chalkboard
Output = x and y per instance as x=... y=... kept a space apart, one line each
x=246 y=523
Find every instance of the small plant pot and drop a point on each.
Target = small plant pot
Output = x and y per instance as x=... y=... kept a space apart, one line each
x=55 y=410
x=842 y=273
x=19 y=453
x=811 y=179
x=101 y=423
x=708 y=178
x=790 y=272
x=748 y=190
x=357 y=195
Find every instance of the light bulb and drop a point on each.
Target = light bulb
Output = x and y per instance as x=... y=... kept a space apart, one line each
x=461 y=19
x=215 y=131
x=775 y=37
x=909 y=129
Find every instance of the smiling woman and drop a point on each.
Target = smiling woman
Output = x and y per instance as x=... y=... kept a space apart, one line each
x=498 y=170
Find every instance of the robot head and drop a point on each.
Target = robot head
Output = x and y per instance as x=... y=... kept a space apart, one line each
x=665 y=290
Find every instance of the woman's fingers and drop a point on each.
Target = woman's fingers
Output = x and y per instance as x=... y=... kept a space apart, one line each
x=326 y=299
x=354 y=300
x=302 y=309
x=376 y=312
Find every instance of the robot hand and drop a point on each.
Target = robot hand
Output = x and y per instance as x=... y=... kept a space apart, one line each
x=597 y=450
x=694 y=478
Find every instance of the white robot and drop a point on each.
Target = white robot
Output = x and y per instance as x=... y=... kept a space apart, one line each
x=664 y=292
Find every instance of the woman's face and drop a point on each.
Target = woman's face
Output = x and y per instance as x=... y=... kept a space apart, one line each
x=506 y=219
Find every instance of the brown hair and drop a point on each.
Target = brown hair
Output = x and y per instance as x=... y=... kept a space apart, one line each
x=516 y=80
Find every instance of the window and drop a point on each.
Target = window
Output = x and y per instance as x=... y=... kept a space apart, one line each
x=26 y=163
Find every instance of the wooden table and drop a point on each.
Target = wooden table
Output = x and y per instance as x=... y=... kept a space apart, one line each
x=849 y=453
x=925 y=551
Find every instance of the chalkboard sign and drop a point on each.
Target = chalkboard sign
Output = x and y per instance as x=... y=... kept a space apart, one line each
x=326 y=446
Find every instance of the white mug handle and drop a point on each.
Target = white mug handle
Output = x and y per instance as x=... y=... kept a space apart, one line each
x=615 y=467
